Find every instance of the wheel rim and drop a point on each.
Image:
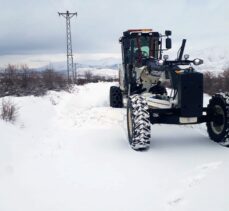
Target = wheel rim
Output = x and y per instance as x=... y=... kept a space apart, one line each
x=216 y=125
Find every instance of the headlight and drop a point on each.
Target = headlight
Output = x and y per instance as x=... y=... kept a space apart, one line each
x=160 y=62
x=198 y=61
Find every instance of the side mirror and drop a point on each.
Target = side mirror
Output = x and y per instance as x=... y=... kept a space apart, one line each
x=168 y=33
x=168 y=43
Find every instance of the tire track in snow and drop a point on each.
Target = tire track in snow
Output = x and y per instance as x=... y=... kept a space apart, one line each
x=201 y=172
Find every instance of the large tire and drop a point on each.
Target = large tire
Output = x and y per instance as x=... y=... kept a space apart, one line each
x=116 y=97
x=138 y=123
x=218 y=112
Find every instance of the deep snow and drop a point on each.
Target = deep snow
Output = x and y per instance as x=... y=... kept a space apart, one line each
x=69 y=151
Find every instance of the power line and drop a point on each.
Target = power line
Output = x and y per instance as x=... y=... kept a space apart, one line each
x=70 y=67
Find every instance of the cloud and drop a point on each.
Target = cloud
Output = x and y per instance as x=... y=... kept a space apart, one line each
x=31 y=26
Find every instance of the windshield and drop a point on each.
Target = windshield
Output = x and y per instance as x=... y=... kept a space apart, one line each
x=144 y=47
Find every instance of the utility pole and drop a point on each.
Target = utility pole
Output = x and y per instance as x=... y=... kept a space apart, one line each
x=70 y=68
x=75 y=73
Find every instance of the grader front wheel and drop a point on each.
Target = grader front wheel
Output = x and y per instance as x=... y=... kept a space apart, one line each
x=138 y=123
x=218 y=111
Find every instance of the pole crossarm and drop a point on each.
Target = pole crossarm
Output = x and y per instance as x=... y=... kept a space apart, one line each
x=67 y=14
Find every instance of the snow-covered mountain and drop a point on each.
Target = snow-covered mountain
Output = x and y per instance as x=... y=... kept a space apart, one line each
x=106 y=63
x=69 y=151
x=215 y=59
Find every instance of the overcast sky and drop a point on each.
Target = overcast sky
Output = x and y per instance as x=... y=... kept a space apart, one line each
x=33 y=27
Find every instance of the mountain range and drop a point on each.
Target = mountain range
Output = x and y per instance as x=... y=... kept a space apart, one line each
x=215 y=60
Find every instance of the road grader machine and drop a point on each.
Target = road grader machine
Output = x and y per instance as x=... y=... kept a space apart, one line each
x=157 y=90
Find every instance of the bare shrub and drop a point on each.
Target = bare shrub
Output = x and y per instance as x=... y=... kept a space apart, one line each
x=48 y=77
x=81 y=81
x=22 y=81
x=25 y=76
x=88 y=76
x=209 y=79
x=225 y=81
x=54 y=80
x=9 y=110
x=10 y=74
x=214 y=83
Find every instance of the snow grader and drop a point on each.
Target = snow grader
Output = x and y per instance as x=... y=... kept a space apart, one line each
x=157 y=90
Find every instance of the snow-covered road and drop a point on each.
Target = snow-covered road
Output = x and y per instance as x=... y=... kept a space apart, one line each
x=69 y=152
